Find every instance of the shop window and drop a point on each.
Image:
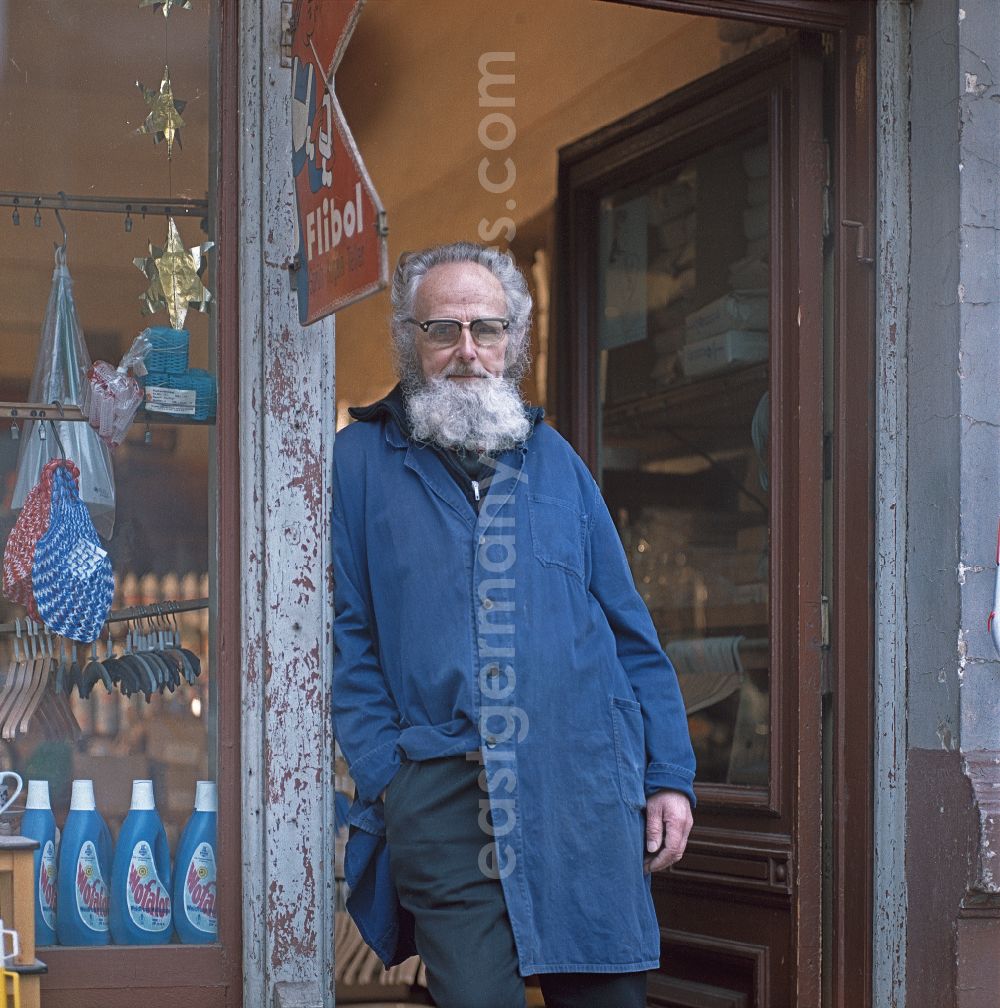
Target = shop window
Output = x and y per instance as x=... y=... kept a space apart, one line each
x=112 y=175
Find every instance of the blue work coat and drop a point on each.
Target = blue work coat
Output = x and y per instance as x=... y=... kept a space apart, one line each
x=517 y=631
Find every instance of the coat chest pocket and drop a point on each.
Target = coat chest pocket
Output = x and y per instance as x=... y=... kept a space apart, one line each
x=630 y=750
x=558 y=532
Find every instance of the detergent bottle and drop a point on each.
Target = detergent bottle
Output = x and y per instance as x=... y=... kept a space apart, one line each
x=194 y=871
x=84 y=867
x=39 y=824
x=140 y=875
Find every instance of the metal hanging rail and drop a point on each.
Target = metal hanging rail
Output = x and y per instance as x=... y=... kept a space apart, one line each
x=141 y=206
x=39 y=411
x=135 y=612
x=25 y=412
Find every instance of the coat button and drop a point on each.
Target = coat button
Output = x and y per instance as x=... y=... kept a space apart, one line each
x=482 y=540
x=491 y=742
x=493 y=671
x=487 y=603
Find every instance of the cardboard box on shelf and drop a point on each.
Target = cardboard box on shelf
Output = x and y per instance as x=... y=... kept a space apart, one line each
x=727 y=350
x=741 y=310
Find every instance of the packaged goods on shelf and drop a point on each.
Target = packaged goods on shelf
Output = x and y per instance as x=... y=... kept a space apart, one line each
x=718 y=353
x=140 y=897
x=195 y=912
x=169 y=353
x=37 y=823
x=84 y=872
x=187 y=393
x=746 y=309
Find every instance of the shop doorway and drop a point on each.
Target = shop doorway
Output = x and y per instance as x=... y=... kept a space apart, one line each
x=673 y=183
x=691 y=277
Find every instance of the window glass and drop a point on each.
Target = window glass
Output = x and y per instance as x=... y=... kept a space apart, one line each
x=78 y=133
x=683 y=281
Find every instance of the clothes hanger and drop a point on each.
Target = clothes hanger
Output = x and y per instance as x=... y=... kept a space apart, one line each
x=13 y=698
x=42 y=681
x=13 y=669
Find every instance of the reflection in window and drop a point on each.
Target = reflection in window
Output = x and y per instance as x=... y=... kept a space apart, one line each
x=683 y=319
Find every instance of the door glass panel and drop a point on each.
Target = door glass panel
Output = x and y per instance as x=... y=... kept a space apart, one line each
x=683 y=371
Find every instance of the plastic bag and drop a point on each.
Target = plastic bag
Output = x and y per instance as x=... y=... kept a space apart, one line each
x=110 y=396
x=62 y=361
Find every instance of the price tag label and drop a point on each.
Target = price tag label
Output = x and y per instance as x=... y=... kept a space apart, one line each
x=167 y=400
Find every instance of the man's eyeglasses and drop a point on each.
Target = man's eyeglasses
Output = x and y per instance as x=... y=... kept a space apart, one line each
x=486 y=332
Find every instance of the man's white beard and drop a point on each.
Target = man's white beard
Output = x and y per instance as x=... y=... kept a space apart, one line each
x=485 y=414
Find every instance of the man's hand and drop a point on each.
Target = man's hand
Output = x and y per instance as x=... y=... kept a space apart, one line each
x=668 y=823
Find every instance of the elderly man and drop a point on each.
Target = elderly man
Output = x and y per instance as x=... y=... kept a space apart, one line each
x=499 y=689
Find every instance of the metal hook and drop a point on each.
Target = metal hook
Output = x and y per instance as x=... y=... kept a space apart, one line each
x=55 y=434
x=62 y=196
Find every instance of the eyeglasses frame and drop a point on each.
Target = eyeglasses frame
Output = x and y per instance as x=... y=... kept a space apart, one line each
x=425 y=327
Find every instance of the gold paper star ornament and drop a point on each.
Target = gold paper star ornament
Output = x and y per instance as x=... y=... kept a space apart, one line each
x=164 y=120
x=174 y=274
x=166 y=5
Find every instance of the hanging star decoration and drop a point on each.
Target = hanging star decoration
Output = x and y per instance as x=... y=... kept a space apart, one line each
x=164 y=120
x=174 y=274
x=165 y=4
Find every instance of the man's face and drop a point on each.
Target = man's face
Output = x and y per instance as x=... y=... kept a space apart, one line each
x=463 y=291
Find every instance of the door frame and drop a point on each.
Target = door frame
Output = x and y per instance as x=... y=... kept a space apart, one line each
x=850 y=27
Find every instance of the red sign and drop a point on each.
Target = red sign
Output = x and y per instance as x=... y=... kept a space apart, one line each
x=343 y=253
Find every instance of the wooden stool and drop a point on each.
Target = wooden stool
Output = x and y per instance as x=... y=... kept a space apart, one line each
x=17 y=911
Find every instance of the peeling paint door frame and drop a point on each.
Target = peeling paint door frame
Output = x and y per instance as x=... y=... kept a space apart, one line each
x=287 y=424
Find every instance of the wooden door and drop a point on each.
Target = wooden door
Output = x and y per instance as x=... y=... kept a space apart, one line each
x=691 y=378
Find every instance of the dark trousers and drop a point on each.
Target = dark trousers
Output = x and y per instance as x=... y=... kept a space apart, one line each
x=462 y=930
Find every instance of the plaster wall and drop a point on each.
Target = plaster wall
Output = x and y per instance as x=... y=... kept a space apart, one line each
x=951 y=482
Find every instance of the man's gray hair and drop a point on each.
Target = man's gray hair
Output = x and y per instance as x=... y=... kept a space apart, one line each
x=414 y=266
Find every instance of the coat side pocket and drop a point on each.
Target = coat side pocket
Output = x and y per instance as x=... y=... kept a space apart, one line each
x=630 y=750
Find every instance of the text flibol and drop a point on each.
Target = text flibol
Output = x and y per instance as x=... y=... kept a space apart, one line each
x=328 y=224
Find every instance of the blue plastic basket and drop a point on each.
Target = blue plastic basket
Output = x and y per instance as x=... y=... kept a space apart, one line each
x=169 y=354
x=201 y=382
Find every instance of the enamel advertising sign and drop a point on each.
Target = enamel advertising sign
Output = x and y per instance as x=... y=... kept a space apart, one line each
x=343 y=254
